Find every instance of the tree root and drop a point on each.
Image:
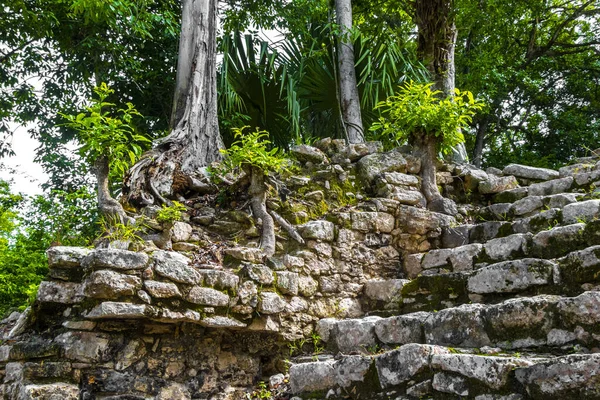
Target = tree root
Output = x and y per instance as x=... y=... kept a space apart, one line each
x=289 y=228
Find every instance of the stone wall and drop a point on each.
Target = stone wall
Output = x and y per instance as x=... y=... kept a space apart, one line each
x=197 y=311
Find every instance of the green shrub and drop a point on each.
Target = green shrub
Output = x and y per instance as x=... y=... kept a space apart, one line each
x=418 y=110
x=170 y=214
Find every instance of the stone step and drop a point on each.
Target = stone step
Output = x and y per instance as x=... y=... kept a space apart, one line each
x=416 y=371
x=539 y=322
x=547 y=244
x=562 y=209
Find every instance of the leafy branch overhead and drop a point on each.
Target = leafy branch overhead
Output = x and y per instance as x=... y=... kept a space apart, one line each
x=252 y=150
x=418 y=110
x=108 y=132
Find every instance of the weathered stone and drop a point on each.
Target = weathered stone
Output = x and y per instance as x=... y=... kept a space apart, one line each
x=511 y=276
x=84 y=346
x=497 y=212
x=372 y=222
x=307 y=286
x=324 y=327
x=31 y=349
x=444 y=206
x=583 y=310
x=472 y=177
x=384 y=290
x=519 y=319
x=162 y=290
x=174 y=266
x=318 y=230
x=259 y=273
x=404 y=196
x=271 y=303
x=287 y=282
x=133 y=351
x=44 y=370
x=527 y=205
x=420 y=390
x=207 y=297
x=455 y=236
x=527 y=172
x=497 y=184
x=508 y=247
x=66 y=257
x=50 y=391
x=492 y=371
x=400 y=179
x=582 y=211
x=462 y=258
x=558 y=241
x=510 y=196
x=174 y=391
x=400 y=365
x=219 y=279
x=418 y=221
x=60 y=292
x=293 y=262
x=115 y=259
x=561 y=200
x=581 y=266
x=461 y=326
x=452 y=384
x=569 y=377
x=79 y=325
x=554 y=186
x=402 y=329
x=266 y=323
x=116 y=310
x=538 y=222
x=181 y=231
x=250 y=254
x=354 y=334
x=222 y=322
x=108 y=284
x=185 y=246
x=436 y=258
x=305 y=153
x=323 y=375
x=485 y=231
x=371 y=166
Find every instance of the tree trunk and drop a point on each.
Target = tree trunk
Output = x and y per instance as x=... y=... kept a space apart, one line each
x=258 y=202
x=109 y=207
x=173 y=166
x=349 y=99
x=480 y=141
x=426 y=149
x=436 y=42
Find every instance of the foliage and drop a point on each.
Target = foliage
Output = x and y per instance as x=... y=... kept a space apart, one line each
x=112 y=229
x=105 y=135
x=417 y=110
x=28 y=227
x=251 y=150
x=169 y=214
x=52 y=54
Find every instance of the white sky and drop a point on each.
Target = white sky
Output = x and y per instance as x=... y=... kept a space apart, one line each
x=27 y=175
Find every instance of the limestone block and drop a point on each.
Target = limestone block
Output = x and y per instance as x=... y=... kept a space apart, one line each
x=402 y=329
x=318 y=230
x=175 y=266
x=508 y=247
x=108 y=284
x=115 y=259
x=221 y=280
x=371 y=166
x=582 y=211
x=511 y=276
x=65 y=256
x=354 y=334
x=250 y=254
x=207 y=297
x=259 y=273
x=461 y=326
x=384 y=290
x=162 y=290
x=181 y=232
x=398 y=366
x=271 y=303
x=60 y=292
x=527 y=172
x=287 y=282
x=554 y=186
x=497 y=184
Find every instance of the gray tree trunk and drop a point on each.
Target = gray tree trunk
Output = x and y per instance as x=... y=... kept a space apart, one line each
x=349 y=99
x=173 y=166
x=258 y=202
x=436 y=42
x=108 y=206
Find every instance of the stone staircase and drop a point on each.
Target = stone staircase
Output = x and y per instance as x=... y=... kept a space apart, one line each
x=507 y=307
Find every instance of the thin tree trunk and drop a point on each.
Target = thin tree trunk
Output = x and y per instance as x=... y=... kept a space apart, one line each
x=258 y=202
x=480 y=141
x=172 y=167
x=436 y=42
x=350 y=101
x=108 y=206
